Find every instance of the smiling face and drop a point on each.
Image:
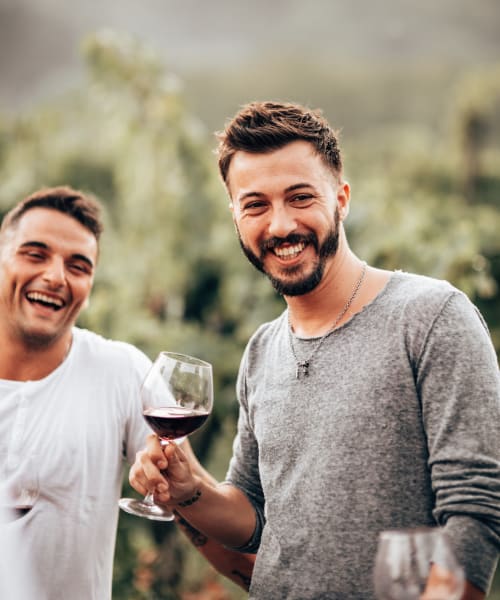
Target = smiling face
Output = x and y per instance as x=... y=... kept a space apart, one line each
x=287 y=207
x=47 y=263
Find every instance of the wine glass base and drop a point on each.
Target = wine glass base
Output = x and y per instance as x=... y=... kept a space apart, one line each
x=139 y=508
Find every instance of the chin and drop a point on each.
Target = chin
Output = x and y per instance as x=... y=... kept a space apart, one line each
x=40 y=339
x=301 y=284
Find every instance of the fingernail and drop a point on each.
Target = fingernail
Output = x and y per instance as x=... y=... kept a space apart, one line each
x=162 y=464
x=162 y=488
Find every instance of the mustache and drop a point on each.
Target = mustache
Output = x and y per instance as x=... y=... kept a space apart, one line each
x=292 y=239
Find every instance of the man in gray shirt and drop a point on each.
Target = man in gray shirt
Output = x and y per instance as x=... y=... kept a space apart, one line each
x=371 y=403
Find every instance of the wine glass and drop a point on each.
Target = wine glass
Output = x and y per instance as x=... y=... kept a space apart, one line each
x=177 y=398
x=19 y=487
x=416 y=564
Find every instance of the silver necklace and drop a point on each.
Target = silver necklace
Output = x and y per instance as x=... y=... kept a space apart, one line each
x=302 y=366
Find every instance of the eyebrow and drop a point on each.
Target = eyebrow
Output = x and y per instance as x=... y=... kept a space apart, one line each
x=34 y=244
x=290 y=188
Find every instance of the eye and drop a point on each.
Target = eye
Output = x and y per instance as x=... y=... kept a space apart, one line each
x=302 y=199
x=80 y=268
x=35 y=255
x=255 y=207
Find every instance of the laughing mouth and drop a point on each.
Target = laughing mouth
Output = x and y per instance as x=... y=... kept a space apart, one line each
x=45 y=300
x=289 y=252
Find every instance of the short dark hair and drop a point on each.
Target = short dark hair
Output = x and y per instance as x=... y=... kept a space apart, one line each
x=266 y=126
x=82 y=207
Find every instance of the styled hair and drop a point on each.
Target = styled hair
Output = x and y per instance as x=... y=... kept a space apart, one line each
x=261 y=127
x=83 y=208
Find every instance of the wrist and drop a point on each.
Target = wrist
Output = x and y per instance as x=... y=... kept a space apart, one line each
x=190 y=495
x=188 y=501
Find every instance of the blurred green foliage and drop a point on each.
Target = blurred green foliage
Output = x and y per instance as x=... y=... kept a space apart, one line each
x=171 y=273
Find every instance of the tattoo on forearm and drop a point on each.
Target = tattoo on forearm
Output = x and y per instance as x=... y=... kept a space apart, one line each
x=197 y=538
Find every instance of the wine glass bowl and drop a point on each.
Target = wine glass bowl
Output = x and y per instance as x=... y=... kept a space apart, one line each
x=416 y=564
x=177 y=399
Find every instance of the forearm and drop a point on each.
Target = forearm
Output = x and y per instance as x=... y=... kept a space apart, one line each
x=222 y=512
x=232 y=564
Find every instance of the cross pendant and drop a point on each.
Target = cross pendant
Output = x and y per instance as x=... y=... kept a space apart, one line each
x=302 y=369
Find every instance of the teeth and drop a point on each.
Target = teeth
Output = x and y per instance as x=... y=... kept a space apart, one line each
x=39 y=297
x=289 y=250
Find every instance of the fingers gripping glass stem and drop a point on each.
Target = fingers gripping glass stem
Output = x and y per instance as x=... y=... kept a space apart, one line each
x=147 y=507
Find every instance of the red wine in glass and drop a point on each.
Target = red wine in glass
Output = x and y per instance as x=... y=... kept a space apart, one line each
x=177 y=398
x=173 y=422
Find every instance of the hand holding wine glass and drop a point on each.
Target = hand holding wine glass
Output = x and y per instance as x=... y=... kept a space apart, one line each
x=177 y=398
x=416 y=564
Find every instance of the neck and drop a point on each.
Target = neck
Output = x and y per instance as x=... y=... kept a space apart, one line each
x=314 y=314
x=18 y=362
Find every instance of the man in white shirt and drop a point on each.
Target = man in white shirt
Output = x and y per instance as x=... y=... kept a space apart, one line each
x=68 y=397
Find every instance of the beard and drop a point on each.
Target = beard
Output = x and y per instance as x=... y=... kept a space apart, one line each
x=298 y=286
x=38 y=340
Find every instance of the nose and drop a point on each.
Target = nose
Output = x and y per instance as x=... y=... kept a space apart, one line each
x=282 y=221
x=54 y=273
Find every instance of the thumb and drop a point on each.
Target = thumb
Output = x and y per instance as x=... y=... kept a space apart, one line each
x=178 y=465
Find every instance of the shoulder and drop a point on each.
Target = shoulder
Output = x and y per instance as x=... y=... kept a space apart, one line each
x=416 y=287
x=428 y=307
x=421 y=296
x=108 y=354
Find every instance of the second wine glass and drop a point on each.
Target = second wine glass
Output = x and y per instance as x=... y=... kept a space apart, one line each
x=416 y=564
x=177 y=398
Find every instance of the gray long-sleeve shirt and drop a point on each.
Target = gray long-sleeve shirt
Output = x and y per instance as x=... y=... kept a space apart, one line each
x=397 y=425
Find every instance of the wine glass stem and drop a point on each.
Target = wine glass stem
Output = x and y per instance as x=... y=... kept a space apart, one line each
x=149 y=499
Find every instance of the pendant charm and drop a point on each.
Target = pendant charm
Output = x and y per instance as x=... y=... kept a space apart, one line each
x=302 y=369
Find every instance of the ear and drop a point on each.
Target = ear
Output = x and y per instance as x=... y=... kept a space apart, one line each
x=343 y=199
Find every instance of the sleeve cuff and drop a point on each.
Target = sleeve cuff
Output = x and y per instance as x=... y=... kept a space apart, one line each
x=476 y=548
x=252 y=545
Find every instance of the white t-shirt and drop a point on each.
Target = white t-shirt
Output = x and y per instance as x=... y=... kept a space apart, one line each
x=81 y=422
